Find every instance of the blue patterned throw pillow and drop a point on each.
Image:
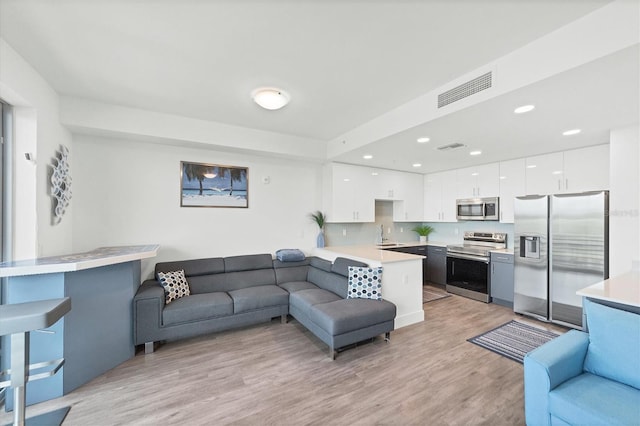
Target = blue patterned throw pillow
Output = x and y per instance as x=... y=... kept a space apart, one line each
x=175 y=285
x=365 y=283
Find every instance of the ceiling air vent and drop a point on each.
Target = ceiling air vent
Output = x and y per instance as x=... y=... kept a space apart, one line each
x=476 y=85
x=450 y=146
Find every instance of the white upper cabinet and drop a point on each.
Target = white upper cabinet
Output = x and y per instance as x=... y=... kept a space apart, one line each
x=348 y=194
x=388 y=185
x=544 y=173
x=440 y=197
x=410 y=205
x=512 y=184
x=478 y=181
x=578 y=170
x=586 y=169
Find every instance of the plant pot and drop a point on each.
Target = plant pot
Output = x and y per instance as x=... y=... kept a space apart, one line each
x=320 y=240
x=423 y=238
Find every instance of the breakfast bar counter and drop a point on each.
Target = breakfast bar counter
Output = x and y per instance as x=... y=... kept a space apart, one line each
x=622 y=291
x=401 y=277
x=97 y=334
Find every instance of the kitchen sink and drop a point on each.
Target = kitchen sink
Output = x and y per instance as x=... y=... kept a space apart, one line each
x=390 y=245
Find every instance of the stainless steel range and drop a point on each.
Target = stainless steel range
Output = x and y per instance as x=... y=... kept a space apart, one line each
x=468 y=264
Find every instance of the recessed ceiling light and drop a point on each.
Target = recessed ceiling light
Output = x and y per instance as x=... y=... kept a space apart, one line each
x=346 y=179
x=374 y=173
x=270 y=97
x=475 y=153
x=503 y=177
x=423 y=140
x=367 y=156
x=475 y=174
x=524 y=108
x=531 y=166
x=417 y=165
x=556 y=172
x=571 y=132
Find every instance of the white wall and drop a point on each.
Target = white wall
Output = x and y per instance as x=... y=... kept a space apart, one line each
x=624 y=202
x=128 y=192
x=38 y=131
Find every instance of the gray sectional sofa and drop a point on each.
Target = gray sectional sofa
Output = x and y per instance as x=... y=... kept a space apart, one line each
x=241 y=290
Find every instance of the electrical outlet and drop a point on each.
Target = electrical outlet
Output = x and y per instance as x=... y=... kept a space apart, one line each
x=344 y=232
x=388 y=230
x=455 y=231
x=401 y=229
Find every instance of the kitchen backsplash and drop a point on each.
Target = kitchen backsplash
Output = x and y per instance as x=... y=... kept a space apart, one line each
x=341 y=234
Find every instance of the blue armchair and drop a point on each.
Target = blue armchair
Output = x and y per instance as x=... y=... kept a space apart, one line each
x=587 y=378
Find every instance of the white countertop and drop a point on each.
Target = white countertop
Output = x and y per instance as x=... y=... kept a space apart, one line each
x=368 y=253
x=623 y=289
x=102 y=256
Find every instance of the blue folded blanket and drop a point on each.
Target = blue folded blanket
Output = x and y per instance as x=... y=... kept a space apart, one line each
x=290 y=255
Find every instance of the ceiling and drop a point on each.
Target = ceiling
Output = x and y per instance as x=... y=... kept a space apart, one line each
x=343 y=62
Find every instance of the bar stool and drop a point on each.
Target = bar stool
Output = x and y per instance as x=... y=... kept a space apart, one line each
x=18 y=320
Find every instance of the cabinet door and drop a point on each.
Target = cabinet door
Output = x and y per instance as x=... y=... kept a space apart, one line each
x=364 y=205
x=411 y=206
x=448 y=205
x=387 y=185
x=350 y=194
x=487 y=182
x=466 y=182
x=433 y=197
x=544 y=174
x=512 y=184
x=586 y=169
x=478 y=181
x=502 y=278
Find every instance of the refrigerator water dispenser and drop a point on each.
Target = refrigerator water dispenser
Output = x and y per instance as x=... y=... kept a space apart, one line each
x=530 y=247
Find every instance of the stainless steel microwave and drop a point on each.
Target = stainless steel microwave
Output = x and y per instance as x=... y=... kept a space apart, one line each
x=478 y=209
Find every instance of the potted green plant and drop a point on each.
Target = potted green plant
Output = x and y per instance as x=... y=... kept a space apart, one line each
x=319 y=219
x=423 y=231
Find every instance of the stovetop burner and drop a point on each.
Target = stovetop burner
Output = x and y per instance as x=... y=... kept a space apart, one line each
x=479 y=243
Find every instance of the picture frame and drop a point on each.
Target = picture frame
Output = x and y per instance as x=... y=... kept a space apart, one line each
x=213 y=185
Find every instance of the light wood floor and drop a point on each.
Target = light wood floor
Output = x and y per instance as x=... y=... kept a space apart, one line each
x=280 y=374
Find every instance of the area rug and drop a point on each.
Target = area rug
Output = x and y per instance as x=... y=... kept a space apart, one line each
x=430 y=293
x=513 y=339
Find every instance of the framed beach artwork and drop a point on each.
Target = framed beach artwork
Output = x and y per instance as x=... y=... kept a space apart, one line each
x=213 y=185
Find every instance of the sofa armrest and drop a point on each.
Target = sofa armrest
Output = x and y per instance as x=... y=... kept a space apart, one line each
x=148 y=304
x=547 y=367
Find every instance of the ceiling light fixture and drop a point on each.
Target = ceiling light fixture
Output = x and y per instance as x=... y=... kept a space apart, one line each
x=417 y=165
x=524 y=108
x=374 y=173
x=367 y=156
x=571 y=132
x=423 y=140
x=270 y=98
x=475 y=153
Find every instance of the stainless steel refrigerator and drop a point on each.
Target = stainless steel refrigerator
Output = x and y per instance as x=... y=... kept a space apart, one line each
x=561 y=246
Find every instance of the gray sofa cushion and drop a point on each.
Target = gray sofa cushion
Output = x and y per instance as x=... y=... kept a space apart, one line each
x=207 y=283
x=293 y=286
x=341 y=265
x=305 y=299
x=245 y=279
x=329 y=281
x=343 y=316
x=197 y=307
x=323 y=264
x=193 y=267
x=248 y=262
x=290 y=271
x=250 y=298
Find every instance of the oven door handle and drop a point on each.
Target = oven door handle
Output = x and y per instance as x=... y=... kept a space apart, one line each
x=468 y=257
